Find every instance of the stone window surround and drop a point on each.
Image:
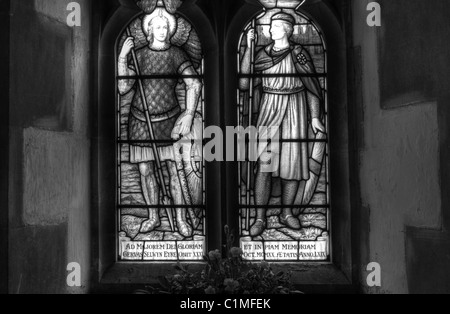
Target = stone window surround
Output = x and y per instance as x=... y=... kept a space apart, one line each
x=311 y=276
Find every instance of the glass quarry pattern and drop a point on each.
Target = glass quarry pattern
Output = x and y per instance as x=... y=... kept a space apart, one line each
x=285 y=213
x=160 y=184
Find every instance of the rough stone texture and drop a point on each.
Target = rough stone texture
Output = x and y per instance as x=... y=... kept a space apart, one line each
x=42 y=92
x=422 y=25
x=427 y=247
x=50 y=147
x=81 y=71
x=399 y=153
x=39 y=255
x=399 y=164
x=53 y=8
x=4 y=141
x=54 y=174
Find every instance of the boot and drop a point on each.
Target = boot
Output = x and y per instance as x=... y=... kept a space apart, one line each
x=183 y=226
x=258 y=227
x=260 y=224
x=287 y=218
x=152 y=222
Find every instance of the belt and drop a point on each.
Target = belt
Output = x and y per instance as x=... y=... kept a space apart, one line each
x=287 y=91
x=155 y=118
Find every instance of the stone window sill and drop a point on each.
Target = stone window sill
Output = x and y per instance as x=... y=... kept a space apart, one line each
x=307 y=277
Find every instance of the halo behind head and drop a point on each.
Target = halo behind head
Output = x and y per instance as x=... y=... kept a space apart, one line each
x=159 y=12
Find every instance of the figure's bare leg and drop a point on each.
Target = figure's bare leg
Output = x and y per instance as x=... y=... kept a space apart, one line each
x=175 y=188
x=263 y=185
x=150 y=190
x=290 y=189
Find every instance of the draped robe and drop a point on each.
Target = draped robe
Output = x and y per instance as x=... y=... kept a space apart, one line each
x=284 y=107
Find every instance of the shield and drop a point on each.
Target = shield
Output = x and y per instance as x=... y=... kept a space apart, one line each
x=189 y=162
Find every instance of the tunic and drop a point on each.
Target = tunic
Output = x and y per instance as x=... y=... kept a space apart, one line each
x=284 y=110
x=161 y=99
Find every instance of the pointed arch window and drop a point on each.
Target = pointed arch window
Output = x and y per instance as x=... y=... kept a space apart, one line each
x=284 y=197
x=161 y=212
x=133 y=190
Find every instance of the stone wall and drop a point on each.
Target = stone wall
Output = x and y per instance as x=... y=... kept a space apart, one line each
x=49 y=173
x=400 y=146
x=4 y=140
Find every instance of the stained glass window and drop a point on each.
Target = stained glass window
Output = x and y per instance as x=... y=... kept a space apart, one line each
x=284 y=195
x=160 y=169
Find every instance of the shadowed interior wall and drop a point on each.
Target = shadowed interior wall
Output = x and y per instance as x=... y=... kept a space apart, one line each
x=49 y=171
x=4 y=140
x=413 y=43
x=401 y=142
x=399 y=113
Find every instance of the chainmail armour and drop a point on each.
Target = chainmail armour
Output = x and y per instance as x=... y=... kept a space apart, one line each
x=160 y=93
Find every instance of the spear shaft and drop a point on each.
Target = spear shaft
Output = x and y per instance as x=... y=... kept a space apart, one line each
x=166 y=196
x=250 y=121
